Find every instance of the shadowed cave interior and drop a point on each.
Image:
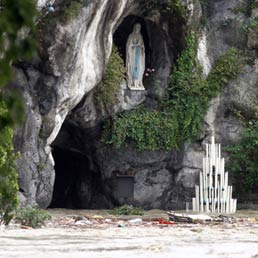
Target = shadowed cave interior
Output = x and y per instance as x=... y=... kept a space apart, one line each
x=78 y=182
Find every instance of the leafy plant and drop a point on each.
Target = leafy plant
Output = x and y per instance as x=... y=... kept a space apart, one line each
x=250 y=25
x=148 y=130
x=32 y=216
x=127 y=210
x=15 y=16
x=71 y=11
x=180 y=115
x=107 y=90
x=243 y=158
x=8 y=175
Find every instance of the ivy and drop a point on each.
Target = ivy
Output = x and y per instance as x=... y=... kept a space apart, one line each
x=243 y=158
x=180 y=115
x=107 y=91
x=147 y=130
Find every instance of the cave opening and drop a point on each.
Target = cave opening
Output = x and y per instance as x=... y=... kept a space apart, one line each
x=78 y=182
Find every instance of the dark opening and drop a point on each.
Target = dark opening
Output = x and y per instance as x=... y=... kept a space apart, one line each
x=78 y=182
x=74 y=179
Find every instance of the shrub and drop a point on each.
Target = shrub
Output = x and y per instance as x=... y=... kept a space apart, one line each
x=127 y=210
x=71 y=11
x=32 y=216
x=180 y=115
x=243 y=160
x=147 y=130
x=107 y=90
x=8 y=175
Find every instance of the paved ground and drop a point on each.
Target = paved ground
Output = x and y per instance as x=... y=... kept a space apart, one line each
x=148 y=240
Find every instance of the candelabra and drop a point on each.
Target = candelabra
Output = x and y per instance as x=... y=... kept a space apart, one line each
x=214 y=194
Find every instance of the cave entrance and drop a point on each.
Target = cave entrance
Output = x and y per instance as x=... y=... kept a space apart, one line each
x=73 y=186
x=78 y=183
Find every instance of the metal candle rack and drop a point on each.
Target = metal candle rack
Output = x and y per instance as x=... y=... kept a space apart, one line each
x=214 y=194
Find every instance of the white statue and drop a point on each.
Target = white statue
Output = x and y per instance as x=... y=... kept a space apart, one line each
x=135 y=59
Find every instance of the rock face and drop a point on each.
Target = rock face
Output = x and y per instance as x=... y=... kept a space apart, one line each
x=72 y=59
x=62 y=119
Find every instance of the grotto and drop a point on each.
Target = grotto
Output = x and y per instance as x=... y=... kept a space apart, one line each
x=64 y=161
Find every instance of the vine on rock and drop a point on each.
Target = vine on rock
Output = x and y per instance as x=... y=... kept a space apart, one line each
x=180 y=115
x=243 y=158
x=107 y=90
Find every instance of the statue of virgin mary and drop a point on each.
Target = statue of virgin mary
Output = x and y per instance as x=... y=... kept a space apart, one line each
x=135 y=59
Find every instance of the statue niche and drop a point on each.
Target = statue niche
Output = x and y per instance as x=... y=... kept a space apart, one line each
x=135 y=59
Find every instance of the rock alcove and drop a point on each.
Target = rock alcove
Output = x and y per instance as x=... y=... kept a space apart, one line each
x=84 y=177
x=62 y=80
x=123 y=31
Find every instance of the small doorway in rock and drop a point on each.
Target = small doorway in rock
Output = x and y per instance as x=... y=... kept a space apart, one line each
x=122 y=187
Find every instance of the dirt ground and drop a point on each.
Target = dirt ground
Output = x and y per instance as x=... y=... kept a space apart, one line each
x=96 y=234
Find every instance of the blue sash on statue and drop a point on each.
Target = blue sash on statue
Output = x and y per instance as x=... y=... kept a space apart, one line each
x=136 y=70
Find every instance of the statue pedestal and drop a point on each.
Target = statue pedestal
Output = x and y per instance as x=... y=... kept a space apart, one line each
x=136 y=88
x=133 y=98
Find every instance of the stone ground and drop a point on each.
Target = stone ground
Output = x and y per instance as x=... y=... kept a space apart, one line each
x=99 y=235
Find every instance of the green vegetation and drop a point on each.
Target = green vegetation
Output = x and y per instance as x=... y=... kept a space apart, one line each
x=127 y=210
x=15 y=16
x=32 y=216
x=148 y=130
x=180 y=115
x=250 y=5
x=108 y=88
x=173 y=9
x=71 y=11
x=41 y=166
x=243 y=158
x=250 y=25
x=8 y=175
x=246 y=7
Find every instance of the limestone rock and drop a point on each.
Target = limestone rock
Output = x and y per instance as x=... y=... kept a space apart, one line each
x=58 y=92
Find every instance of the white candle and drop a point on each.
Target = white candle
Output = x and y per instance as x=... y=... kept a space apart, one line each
x=201 y=192
x=194 y=204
